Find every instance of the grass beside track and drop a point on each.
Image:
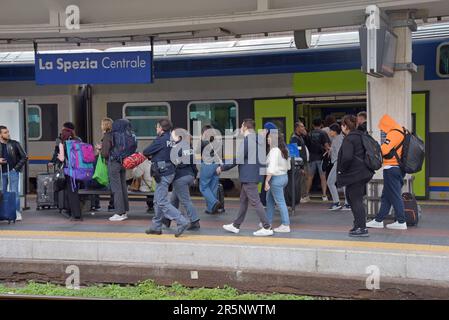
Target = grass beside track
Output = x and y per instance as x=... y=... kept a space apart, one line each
x=146 y=290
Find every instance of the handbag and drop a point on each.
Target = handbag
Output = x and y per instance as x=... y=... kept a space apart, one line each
x=59 y=179
x=101 y=174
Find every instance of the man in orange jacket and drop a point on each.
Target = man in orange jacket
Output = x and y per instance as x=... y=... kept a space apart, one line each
x=393 y=176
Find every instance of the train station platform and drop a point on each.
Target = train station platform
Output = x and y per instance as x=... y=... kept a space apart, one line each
x=317 y=257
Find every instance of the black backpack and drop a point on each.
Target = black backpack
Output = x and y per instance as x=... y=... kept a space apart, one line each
x=413 y=152
x=373 y=154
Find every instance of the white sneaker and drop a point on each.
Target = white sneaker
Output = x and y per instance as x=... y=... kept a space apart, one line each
x=324 y=198
x=263 y=232
x=305 y=199
x=335 y=206
x=230 y=227
x=118 y=217
x=397 y=226
x=282 y=229
x=374 y=224
x=18 y=216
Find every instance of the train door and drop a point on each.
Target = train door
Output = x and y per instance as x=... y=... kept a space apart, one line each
x=278 y=111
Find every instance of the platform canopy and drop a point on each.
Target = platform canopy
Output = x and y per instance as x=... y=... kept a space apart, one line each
x=174 y=19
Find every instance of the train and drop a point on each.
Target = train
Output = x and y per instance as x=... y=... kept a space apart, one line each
x=279 y=85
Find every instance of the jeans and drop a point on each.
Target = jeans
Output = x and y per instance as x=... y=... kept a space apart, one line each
x=13 y=185
x=181 y=194
x=392 y=195
x=249 y=193
x=275 y=195
x=117 y=181
x=163 y=207
x=209 y=184
x=331 y=180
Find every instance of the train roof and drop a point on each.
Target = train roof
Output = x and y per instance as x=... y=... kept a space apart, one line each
x=329 y=52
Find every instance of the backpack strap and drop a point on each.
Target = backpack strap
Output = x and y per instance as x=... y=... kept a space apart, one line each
x=395 y=150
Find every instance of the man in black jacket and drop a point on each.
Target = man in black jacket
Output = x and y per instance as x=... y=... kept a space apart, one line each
x=249 y=165
x=12 y=160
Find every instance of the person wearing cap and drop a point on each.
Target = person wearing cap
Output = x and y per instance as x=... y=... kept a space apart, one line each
x=265 y=133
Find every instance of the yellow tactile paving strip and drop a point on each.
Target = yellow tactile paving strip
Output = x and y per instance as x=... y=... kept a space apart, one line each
x=233 y=240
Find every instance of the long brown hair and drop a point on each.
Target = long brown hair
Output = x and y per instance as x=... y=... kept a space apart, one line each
x=281 y=143
x=350 y=121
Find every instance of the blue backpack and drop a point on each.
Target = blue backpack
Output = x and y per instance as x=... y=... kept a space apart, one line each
x=124 y=141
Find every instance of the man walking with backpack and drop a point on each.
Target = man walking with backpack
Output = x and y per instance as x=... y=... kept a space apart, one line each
x=393 y=175
x=122 y=145
x=163 y=172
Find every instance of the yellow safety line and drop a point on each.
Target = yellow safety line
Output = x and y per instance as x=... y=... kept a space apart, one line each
x=232 y=239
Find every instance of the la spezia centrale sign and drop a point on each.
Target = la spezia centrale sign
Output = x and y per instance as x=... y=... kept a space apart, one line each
x=96 y=67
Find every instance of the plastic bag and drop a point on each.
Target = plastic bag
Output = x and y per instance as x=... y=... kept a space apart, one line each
x=101 y=172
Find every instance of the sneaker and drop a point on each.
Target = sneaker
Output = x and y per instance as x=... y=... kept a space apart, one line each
x=230 y=227
x=195 y=225
x=305 y=199
x=282 y=229
x=263 y=232
x=335 y=206
x=118 y=217
x=397 y=226
x=166 y=222
x=18 y=216
x=359 y=232
x=181 y=229
x=324 y=198
x=152 y=231
x=111 y=208
x=346 y=207
x=374 y=224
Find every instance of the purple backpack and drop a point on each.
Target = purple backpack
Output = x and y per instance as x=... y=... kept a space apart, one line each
x=80 y=161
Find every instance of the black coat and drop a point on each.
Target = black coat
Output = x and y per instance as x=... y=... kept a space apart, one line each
x=17 y=157
x=350 y=165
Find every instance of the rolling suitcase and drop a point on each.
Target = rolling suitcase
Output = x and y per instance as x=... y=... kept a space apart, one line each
x=7 y=202
x=220 y=197
x=46 y=191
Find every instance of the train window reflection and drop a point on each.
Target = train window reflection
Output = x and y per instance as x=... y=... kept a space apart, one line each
x=34 y=116
x=443 y=60
x=144 y=116
x=222 y=115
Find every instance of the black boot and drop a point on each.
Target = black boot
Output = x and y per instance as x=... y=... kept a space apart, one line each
x=195 y=225
x=359 y=232
x=166 y=222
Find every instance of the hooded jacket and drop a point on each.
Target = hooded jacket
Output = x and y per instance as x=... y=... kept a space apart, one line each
x=388 y=125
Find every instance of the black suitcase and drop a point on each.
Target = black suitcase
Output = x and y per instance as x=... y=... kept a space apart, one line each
x=46 y=197
x=289 y=187
x=221 y=197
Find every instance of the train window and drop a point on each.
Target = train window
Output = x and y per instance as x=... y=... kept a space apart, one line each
x=222 y=115
x=443 y=60
x=34 y=116
x=144 y=116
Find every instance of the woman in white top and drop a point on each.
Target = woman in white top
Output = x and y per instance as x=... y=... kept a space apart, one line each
x=278 y=165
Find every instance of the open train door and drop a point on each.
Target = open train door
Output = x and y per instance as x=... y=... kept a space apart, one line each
x=12 y=115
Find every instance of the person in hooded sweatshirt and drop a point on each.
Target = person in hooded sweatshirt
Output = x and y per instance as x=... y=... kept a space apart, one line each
x=353 y=173
x=392 y=174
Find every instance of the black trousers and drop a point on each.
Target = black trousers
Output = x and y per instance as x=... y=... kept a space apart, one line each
x=355 y=193
x=73 y=198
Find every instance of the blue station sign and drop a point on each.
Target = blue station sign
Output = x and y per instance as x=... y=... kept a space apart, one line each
x=96 y=67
